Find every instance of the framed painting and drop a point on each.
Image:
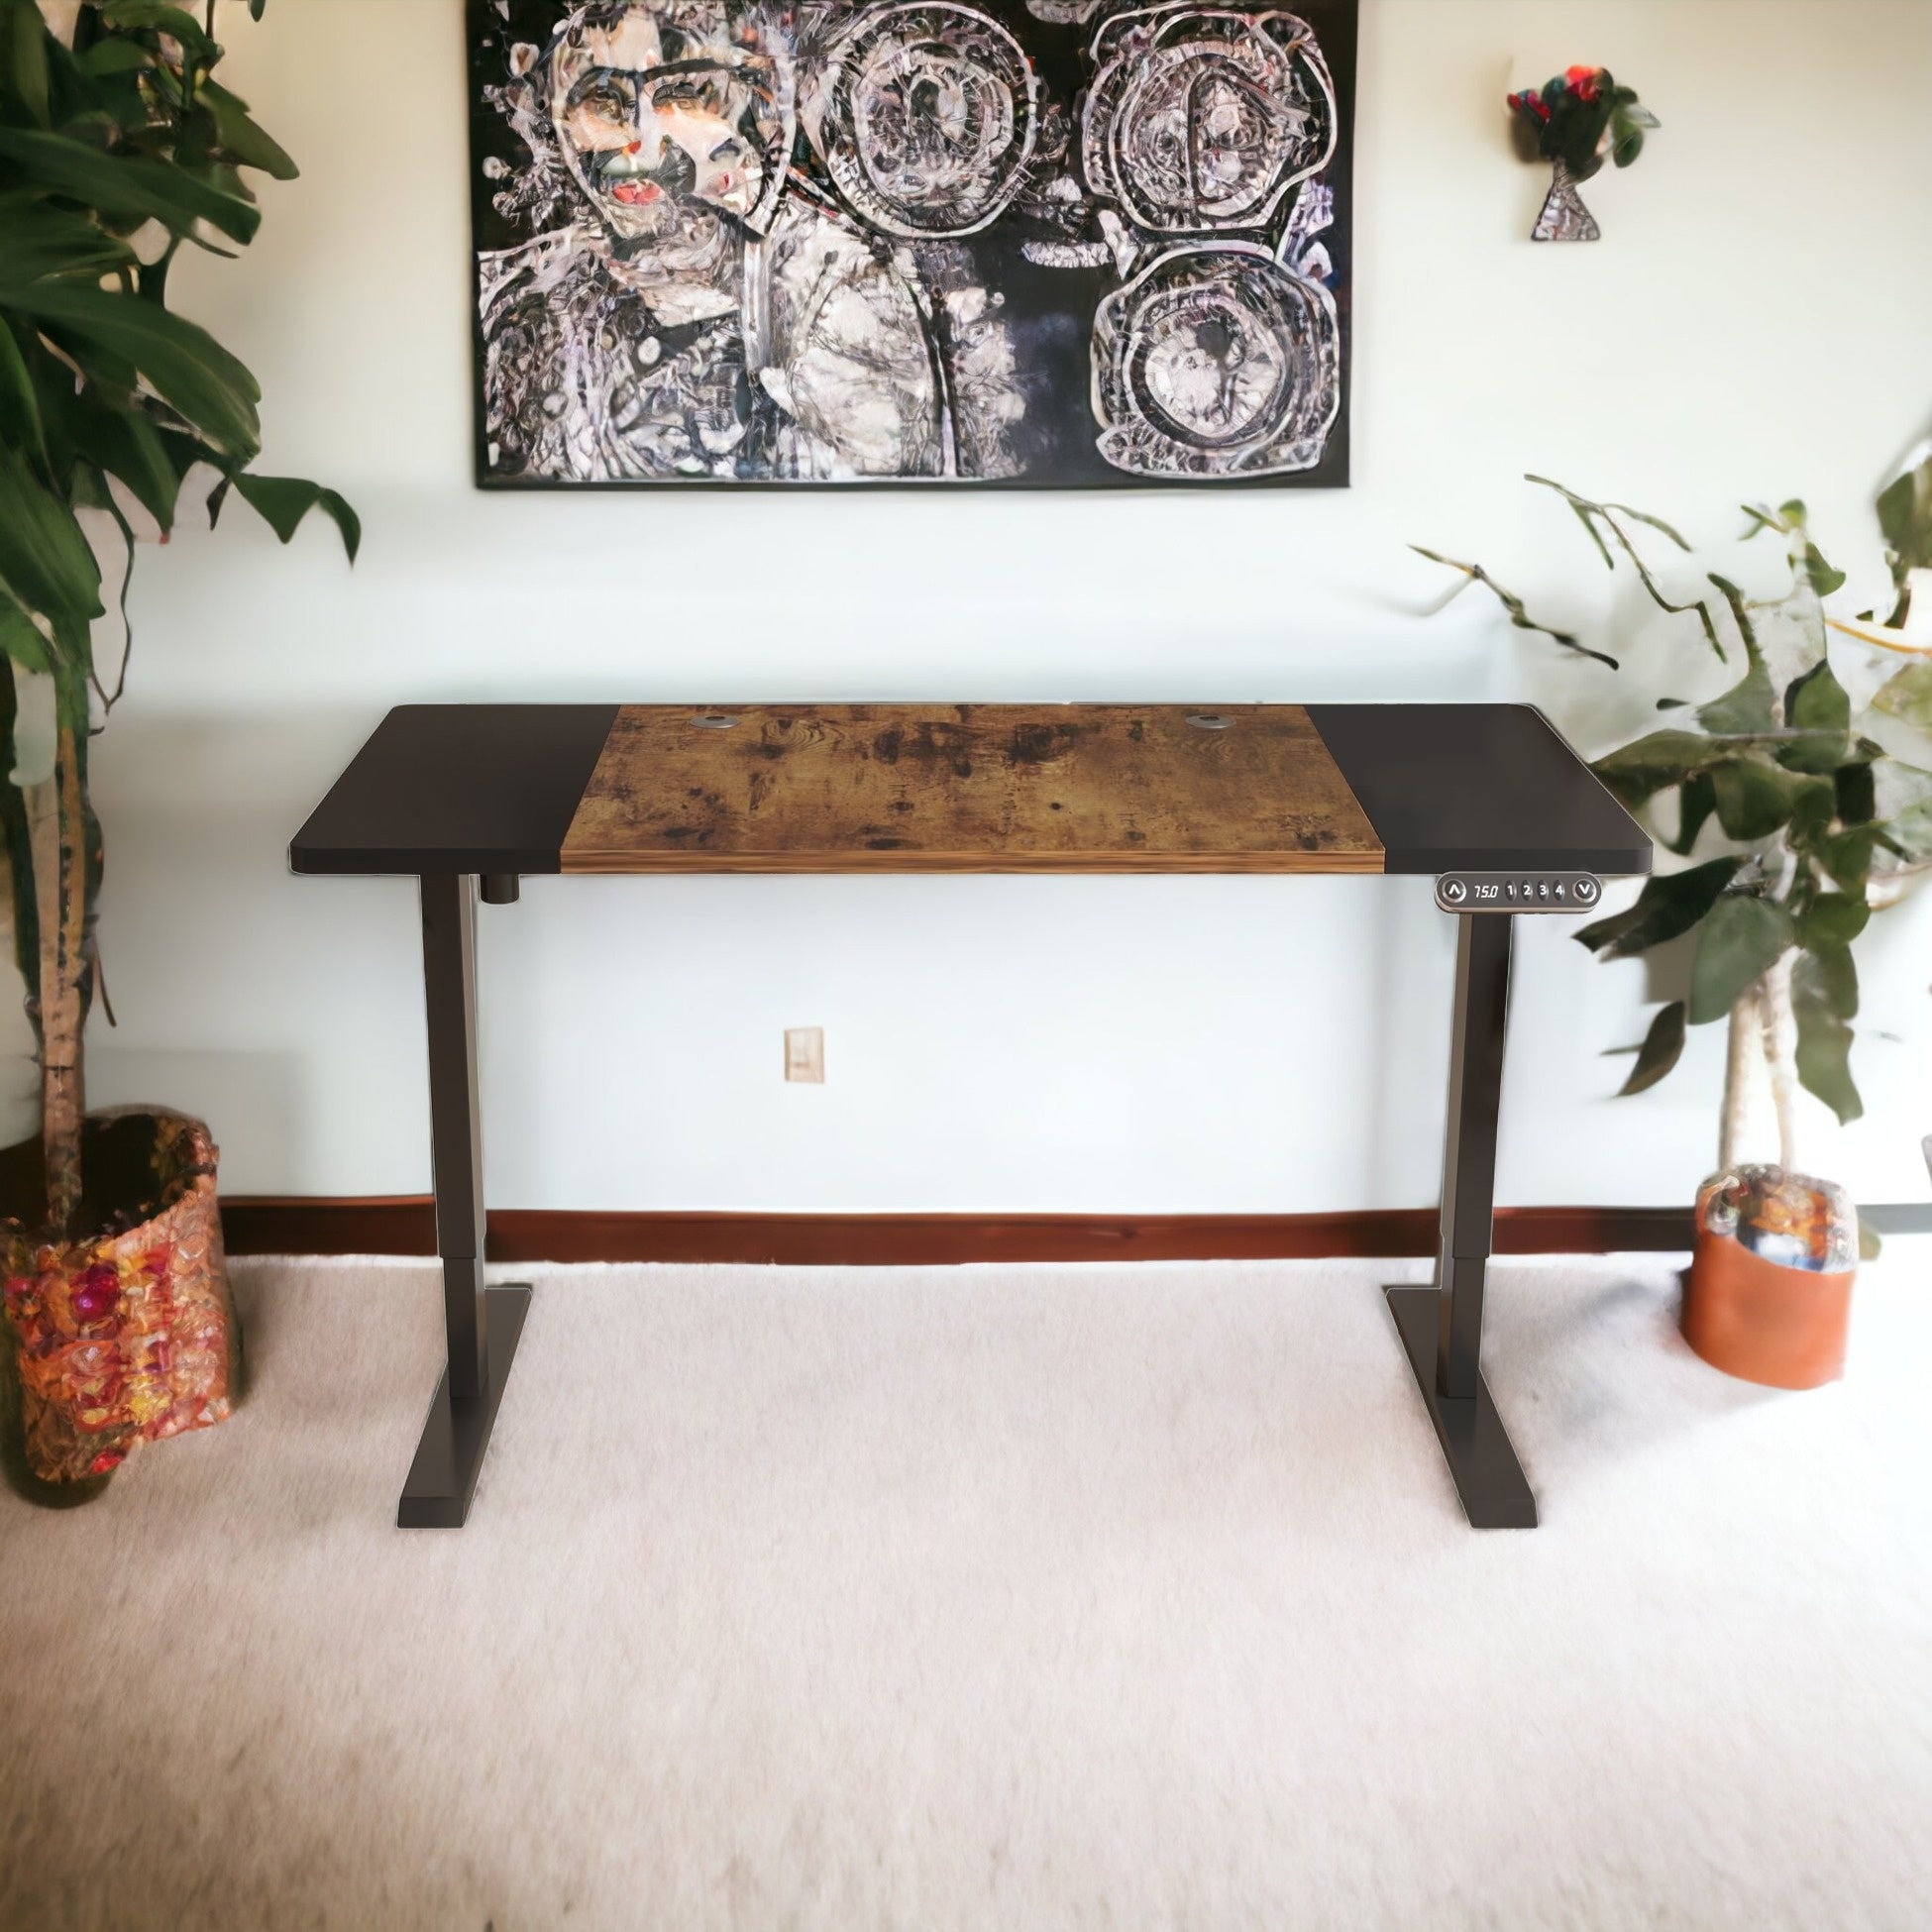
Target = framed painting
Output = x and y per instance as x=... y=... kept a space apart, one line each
x=984 y=242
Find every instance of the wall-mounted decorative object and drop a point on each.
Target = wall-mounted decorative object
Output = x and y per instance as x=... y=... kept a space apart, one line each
x=1576 y=121
x=1059 y=242
x=1792 y=824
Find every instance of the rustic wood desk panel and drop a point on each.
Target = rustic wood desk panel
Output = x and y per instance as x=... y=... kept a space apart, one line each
x=968 y=787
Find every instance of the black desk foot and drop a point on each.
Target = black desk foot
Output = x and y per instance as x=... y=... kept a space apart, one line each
x=1494 y=1490
x=443 y=1477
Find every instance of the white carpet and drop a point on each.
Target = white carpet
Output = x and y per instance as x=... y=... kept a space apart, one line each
x=1111 y=1597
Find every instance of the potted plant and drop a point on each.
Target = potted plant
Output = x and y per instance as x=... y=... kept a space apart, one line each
x=1792 y=824
x=118 y=147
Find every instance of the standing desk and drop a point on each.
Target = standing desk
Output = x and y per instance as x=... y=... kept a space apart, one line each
x=467 y=797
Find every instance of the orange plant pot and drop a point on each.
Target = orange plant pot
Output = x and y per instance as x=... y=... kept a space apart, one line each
x=1760 y=1320
x=127 y=1335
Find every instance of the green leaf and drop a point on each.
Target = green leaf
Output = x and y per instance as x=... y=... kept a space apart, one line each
x=23 y=60
x=158 y=17
x=185 y=365
x=1755 y=796
x=37 y=239
x=1832 y=919
x=1828 y=975
x=113 y=57
x=1655 y=762
x=44 y=560
x=21 y=640
x=283 y=501
x=19 y=407
x=1824 y=1045
x=1824 y=580
x=1816 y=703
x=240 y=137
x=1663 y=1045
x=1811 y=814
x=1578 y=127
x=126 y=444
x=125 y=187
x=1907 y=695
x=185 y=451
x=1696 y=800
x=1670 y=905
x=1905 y=516
x=1854 y=797
x=1903 y=795
x=1748 y=706
x=1742 y=937
x=1847 y=857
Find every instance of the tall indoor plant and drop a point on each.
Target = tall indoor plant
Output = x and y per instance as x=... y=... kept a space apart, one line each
x=118 y=149
x=1792 y=820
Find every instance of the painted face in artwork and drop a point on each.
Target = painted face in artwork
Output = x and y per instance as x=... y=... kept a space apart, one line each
x=666 y=110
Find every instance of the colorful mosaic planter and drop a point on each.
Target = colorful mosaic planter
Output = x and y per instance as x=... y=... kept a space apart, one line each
x=128 y=1336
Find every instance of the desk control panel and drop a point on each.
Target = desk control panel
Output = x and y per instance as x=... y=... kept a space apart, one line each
x=1519 y=892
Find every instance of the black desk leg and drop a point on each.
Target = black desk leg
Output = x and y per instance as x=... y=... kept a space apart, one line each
x=483 y=1324
x=1442 y=1325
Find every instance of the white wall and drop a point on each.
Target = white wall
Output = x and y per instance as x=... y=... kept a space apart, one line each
x=1752 y=325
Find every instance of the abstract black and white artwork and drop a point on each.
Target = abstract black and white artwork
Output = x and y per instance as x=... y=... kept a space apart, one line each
x=1012 y=242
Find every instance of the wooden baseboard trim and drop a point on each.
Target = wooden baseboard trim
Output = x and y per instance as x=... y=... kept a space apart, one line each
x=405 y=1225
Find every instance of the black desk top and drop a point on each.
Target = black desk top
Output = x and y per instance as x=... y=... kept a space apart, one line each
x=498 y=788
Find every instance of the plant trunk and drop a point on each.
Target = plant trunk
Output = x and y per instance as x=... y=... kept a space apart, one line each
x=1781 y=1024
x=57 y=827
x=1761 y=1072
x=1742 y=1049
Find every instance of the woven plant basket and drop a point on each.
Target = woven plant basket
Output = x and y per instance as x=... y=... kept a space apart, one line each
x=129 y=1335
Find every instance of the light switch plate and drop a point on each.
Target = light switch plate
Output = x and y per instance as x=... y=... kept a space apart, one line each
x=804 y=1053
